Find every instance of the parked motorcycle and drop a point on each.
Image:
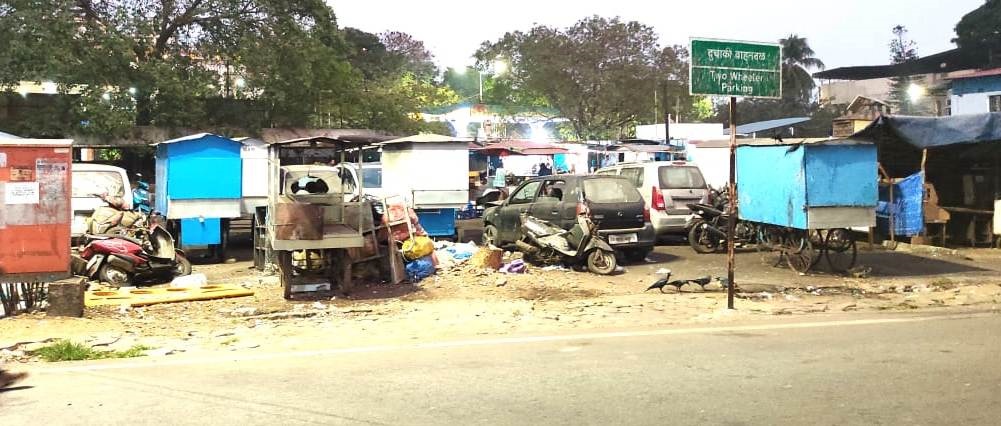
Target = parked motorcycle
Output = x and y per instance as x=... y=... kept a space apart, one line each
x=143 y=253
x=707 y=232
x=581 y=245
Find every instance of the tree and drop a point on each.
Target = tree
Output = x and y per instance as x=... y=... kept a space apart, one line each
x=415 y=57
x=902 y=86
x=170 y=55
x=797 y=100
x=978 y=31
x=797 y=60
x=599 y=73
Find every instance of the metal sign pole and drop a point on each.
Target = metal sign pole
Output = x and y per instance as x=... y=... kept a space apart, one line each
x=732 y=207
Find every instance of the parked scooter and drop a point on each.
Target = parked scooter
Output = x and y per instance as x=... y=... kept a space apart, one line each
x=122 y=260
x=545 y=243
x=707 y=232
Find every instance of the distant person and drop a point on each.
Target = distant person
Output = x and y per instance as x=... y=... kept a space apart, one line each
x=544 y=170
x=500 y=177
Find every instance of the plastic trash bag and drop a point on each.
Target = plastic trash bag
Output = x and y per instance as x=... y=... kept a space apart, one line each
x=417 y=247
x=420 y=269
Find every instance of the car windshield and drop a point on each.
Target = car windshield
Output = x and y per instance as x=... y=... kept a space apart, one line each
x=683 y=177
x=86 y=183
x=372 y=177
x=610 y=190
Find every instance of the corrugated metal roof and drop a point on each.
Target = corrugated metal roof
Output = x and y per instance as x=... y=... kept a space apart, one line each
x=193 y=137
x=761 y=126
x=427 y=138
x=36 y=142
x=776 y=142
x=977 y=74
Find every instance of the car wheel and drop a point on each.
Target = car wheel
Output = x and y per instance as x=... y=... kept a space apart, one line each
x=638 y=254
x=490 y=236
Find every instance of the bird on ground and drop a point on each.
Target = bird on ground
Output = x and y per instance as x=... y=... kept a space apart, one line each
x=666 y=281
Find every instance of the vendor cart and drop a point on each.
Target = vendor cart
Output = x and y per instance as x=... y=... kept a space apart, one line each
x=805 y=195
x=312 y=215
x=432 y=172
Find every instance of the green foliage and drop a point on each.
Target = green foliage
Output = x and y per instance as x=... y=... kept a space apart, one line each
x=978 y=31
x=797 y=99
x=599 y=73
x=65 y=350
x=294 y=66
x=904 y=50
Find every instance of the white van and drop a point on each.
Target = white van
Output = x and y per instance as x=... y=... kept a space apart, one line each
x=667 y=187
x=90 y=179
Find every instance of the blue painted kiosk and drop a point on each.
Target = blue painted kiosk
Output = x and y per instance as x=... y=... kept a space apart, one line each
x=199 y=187
x=804 y=196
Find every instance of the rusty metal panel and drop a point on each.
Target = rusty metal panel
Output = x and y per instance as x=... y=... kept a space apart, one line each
x=35 y=212
x=295 y=221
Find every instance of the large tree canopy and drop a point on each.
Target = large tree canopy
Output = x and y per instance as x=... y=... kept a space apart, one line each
x=599 y=73
x=980 y=30
x=197 y=63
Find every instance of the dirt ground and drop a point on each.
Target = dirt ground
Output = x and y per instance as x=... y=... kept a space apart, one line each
x=462 y=302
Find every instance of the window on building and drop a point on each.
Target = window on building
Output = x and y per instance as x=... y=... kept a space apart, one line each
x=995 y=103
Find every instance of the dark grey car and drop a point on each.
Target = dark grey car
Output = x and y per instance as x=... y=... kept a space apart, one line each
x=615 y=205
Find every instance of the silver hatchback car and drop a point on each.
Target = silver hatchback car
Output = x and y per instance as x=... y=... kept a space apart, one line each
x=667 y=187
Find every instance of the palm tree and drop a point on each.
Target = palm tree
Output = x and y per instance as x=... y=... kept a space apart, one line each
x=797 y=60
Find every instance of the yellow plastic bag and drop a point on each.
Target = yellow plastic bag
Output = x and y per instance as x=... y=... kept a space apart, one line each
x=417 y=247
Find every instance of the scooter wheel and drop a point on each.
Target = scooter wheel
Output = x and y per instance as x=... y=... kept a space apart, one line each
x=113 y=276
x=601 y=262
x=182 y=266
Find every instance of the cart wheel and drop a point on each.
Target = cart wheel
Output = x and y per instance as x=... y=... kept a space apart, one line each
x=841 y=251
x=799 y=251
x=819 y=244
x=284 y=258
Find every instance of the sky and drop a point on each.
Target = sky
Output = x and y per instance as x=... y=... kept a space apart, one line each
x=842 y=32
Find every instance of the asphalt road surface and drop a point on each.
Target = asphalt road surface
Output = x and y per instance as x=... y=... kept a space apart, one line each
x=820 y=370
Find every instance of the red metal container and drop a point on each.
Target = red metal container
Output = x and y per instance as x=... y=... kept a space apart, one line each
x=35 y=211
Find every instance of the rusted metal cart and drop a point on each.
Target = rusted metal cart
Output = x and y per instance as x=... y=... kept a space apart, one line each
x=805 y=196
x=313 y=215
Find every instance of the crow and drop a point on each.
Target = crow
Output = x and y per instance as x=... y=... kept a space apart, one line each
x=7 y=379
x=702 y=280
x=659 y=284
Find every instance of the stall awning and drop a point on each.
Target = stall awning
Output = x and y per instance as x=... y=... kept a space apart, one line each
x=932 y=132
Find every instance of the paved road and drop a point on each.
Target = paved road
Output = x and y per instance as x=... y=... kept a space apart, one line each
x=884 y=369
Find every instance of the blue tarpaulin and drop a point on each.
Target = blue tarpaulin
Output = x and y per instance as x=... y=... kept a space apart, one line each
x=932 y=132
x=907 y=207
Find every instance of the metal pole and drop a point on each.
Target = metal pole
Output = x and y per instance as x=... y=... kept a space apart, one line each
x=732 y=207
x=481 y=86
x=667 y=119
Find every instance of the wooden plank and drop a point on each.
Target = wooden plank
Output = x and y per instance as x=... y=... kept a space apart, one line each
x=152 y=296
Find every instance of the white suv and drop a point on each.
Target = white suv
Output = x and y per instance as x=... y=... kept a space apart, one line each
x=667 y=187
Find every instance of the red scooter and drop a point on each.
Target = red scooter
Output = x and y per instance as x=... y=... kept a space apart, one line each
x=122 y=260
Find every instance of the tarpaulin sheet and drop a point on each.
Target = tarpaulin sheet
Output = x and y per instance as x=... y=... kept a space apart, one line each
x=907 y=207
x=932 y=132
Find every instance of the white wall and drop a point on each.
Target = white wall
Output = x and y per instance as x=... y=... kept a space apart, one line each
x=686 y=131
x=972 y=103
x=713 y=162
x=427 y=166
x=843 y=92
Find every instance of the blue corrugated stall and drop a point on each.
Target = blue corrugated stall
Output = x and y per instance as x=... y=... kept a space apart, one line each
x=817 y=185
x=199 y=178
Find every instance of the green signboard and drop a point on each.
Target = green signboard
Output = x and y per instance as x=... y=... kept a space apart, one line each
x=735 y=68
